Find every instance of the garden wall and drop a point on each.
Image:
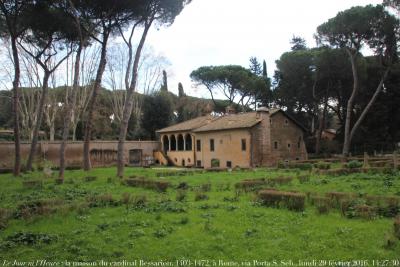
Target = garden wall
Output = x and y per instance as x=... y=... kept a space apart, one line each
x=102 y=153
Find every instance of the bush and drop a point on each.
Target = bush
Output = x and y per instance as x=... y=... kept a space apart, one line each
x=303 y=179
x=90 y=178
x=30 y=209
x=183 y=186
x=59 y=181
x=322 y=165
x=356 y=208
x=32 y=184
x=323 y=204
x=200 y=196
x=249 y=185
x=5 y=215
x=28 y=239
x=160 y=186
x=139 y=201
x=103 y=200
x=206 y=187
x=290 y=200
x=279 y=181
x=302 y=166
x=181 y=195
x=354 y=164
x=365 y=211
x=338 y=197
x=396 y=226
x=126 y=198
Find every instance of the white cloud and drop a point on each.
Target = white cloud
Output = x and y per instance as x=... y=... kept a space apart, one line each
x=221 y=32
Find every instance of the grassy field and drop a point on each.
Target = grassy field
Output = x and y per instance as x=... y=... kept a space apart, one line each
x=89 y=219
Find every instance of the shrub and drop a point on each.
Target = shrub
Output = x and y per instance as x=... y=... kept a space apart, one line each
x=200 y=196
x=302 y=166
x=249 y=185
x=90 y=178
x=279 y=181
x=338 y=197
x=32 y=184
x=30 y=209
x=59 y=181
x=181 y=195
x=365 y=211
x=101 y=200
x=396 y=226
x=160 y=186
x=5 y=215
x=323 y=204
x=206 y=187
x=126 y=198
x=29 y=239
x=303 y=179
x=184 y=220
x=223 y=187
x=139 y=201
x=354 y=164
x=231 y=199
x=183 y=186
x=356 y=208
x=290 y=200
x=322 y=165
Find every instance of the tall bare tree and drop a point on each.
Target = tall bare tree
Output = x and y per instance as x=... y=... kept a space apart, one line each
x=106 y=15
x=164 y=12
x=12 y=14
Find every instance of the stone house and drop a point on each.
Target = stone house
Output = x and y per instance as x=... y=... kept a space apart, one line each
x=261 y=138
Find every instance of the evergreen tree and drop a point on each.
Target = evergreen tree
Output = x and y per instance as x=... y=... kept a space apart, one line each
x=164 y=86
x=180 y=90
x=298 y=43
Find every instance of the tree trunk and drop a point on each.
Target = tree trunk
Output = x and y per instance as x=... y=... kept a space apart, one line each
x=74 y=131
x=52 y=131
x=17 y=135
x=321 y=128
x=369 y=105
x=128 y=105
x=35 y=136
x=70 y=108
x=92 y=102
x=350 y=104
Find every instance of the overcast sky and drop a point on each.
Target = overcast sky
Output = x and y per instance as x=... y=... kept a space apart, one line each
x=223 y=32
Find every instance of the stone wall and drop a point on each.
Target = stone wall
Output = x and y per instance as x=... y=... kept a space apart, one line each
x=102 y=153
x=289 y=139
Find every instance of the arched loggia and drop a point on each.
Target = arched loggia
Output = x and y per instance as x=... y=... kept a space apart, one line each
x=188 y=142
x=173 y=143
x=180 y=143
x=165 y=143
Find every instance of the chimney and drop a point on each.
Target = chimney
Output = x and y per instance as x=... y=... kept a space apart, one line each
x=262 y=110
x=230 y=110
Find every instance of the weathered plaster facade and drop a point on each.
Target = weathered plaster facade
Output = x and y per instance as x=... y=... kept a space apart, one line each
x=102 y=153
x=244 y=140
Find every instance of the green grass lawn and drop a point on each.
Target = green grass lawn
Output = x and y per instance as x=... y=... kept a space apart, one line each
x=89 y=222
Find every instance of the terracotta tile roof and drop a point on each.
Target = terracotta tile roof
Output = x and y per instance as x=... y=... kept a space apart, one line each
x=226 y=122
x=231 y=121
x=188 y=125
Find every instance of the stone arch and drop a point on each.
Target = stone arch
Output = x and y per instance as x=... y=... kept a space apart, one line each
x=181 y=143
x=165 y=141
x=173 y=143
x=188 y=142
